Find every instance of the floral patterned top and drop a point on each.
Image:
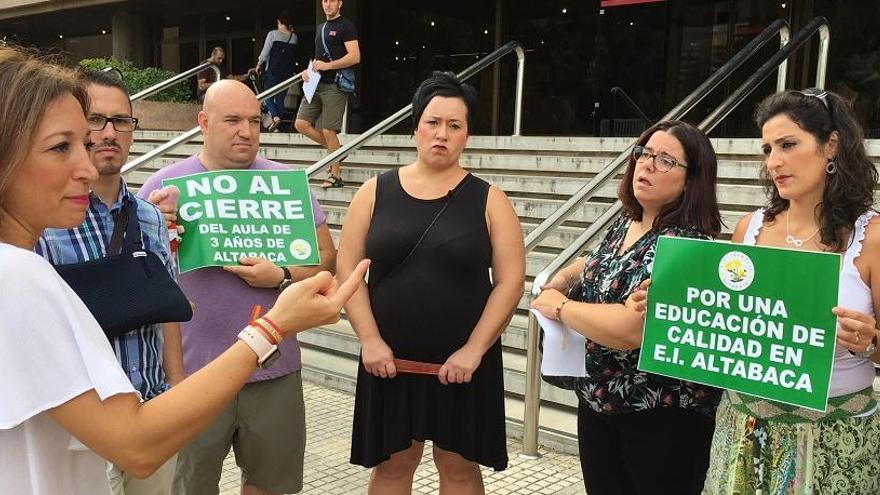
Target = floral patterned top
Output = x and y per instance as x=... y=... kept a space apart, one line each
x=613 y=384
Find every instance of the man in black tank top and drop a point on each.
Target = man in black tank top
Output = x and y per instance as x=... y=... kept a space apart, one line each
x=207 y=77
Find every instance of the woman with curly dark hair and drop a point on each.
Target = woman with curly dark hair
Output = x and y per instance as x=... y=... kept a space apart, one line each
x=820 y=184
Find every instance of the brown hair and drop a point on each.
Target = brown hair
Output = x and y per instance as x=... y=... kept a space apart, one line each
x=30 y=84
x=850 y=191
x=697 y=206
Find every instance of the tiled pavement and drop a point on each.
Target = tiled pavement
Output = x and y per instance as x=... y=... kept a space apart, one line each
x=327 y=471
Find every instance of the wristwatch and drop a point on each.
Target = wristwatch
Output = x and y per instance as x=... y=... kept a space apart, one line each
x=287 y=280
x=869 y=351
x=267 y=352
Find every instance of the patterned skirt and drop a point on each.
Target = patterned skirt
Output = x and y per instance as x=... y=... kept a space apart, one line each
x=752 y=456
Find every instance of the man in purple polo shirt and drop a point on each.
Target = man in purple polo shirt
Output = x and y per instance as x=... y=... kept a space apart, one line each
x=266 y=421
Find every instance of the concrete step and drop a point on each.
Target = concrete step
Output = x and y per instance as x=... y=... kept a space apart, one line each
x=733 y=198
x=558 y=240
x=534 y=163
x=606 y=145
x=741 y=146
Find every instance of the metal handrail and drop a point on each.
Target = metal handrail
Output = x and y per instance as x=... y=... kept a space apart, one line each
x=618 y=91
x=778 y=27
x=195 y=131
x=391 y=121
x=171 y=81
x=531 y=401
x=400 y=115
x=816 y=25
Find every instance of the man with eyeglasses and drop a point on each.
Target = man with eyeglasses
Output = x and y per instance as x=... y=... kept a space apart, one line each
x=151 y=355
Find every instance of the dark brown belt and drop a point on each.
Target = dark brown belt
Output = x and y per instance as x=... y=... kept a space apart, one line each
x=417 y=367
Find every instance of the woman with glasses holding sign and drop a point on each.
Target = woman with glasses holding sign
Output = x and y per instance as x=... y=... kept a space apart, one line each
x=639 y=433
x=65 y=404
x=820 y=184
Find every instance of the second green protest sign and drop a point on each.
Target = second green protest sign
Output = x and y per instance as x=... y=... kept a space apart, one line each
x=231 y=214
x=756 y=320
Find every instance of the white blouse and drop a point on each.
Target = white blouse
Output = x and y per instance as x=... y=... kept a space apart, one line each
x=51 y=351
x=850 y=373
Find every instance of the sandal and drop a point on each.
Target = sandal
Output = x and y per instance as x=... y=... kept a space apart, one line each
x=273 y=127
x=332 y=181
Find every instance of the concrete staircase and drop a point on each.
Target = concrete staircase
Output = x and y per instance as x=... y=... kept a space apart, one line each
x=538 y=174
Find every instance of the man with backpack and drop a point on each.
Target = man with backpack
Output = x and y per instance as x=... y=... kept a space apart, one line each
x=278 y=59
x=336 y=53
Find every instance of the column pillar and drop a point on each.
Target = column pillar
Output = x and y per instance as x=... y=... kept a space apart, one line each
x=130 y=38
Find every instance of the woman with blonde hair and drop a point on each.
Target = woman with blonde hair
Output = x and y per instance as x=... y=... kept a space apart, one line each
x=64 y=401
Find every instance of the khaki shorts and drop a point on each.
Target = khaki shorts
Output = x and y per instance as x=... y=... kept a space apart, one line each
x=328 y=104
x=158 y=483
x=266 y=426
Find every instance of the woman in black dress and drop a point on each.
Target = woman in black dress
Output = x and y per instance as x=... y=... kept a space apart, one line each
x=433 y=232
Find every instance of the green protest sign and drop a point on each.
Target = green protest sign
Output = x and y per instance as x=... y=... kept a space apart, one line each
x=752 y=319
x=234 y=213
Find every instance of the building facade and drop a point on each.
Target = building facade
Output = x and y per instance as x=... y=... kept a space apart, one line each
x=577 y=51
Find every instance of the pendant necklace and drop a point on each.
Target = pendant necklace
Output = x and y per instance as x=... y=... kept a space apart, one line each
x=790 y=239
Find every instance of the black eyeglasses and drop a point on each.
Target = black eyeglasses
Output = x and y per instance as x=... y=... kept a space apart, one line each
x=98 y=122
x=662 y=161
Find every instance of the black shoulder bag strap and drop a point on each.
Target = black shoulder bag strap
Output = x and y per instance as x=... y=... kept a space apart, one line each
x=449 y=197
x=131 y=230
x=324 y=42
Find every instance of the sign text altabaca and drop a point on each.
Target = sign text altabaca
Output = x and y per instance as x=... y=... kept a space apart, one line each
x=752 y=319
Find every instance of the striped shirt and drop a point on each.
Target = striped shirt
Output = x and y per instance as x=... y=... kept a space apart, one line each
x=140 y=351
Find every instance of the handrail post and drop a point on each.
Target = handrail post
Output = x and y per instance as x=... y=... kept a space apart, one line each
x=532 y=395
x=677 y=112
x=174 y=80
x=784 y=37
x=778 y=62
x=822 y=61
x=406 y=111
x=160 y=150
x=195 y=131
x=383 y=126
x=520 y=76
x=751 y=83
x=618 y=91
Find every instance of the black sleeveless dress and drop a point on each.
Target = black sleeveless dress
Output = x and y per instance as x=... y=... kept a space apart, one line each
x=426 y=309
